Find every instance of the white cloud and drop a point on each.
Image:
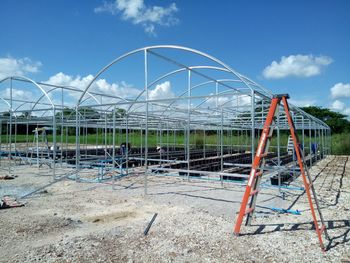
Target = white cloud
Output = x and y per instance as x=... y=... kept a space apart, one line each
x=234 y=100
x=241 y=100
x=296 y=65
x=161 y=91
x=341 y=107
x=340 y=90
x=212 y=101
x=347 y=111
x=101 y=85
x=139 y=14
x=19 y=67
x=303 y=102
x=338 y=105
x=62 y=79
x=18 y=94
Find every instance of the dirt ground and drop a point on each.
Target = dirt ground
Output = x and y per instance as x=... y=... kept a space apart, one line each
x=95 y=222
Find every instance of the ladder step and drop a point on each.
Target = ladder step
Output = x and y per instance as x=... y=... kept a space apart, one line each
x=322 y=229
x=258 y=174
x=309 y=185
x=254 y=192
x=263 y=155
x=249 y=210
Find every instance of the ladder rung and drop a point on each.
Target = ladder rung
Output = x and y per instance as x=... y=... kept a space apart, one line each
x=263 y=155
x=249 y=210
x=309 y=185
x=258 y=174
x=254 y=192
x=322 y=229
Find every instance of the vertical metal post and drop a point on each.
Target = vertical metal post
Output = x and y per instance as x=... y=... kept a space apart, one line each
x=216 y=107
x=15 y=140
x=160 y=132
x=146 y=128
x=315 y=141
x=204 y=141
x=188 y=122
x=310 y=142
x=325 y=140
x=252 y=114
x=141 y=143
x=77 y=142
x=62 y=112
x=105 y=137
x=330 y=141
x=54 y=134
x=322 y=141
x=113 y=149
x=1 y=137
x=10 y=129
x=167 y=140
x=222 y=145
x=278 y=151
x=127 y=143
x=303 y=134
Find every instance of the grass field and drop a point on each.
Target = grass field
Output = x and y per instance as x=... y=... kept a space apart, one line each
x=340 y=142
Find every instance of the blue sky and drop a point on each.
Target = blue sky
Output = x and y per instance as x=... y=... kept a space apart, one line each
x=299 y=47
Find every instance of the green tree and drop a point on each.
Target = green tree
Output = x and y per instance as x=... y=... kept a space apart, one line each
x=85 y=112
x=335 y=120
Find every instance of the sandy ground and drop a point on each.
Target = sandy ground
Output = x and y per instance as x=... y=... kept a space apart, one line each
x=95 y=222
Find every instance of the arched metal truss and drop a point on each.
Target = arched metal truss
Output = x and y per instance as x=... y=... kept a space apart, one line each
x=203 y=96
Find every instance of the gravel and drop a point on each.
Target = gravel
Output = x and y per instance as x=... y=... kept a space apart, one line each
x=92 y=222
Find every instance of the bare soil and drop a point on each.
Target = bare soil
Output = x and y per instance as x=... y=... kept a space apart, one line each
x=97 y=222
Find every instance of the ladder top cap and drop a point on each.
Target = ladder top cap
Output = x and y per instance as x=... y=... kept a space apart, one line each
x=280 y=96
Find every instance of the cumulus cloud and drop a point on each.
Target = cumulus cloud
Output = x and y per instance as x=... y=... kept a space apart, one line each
x=241 y=100
x=234 y=100
x=212 y=101
x=161 y=91
x=347 y=111
x=138 y=13
x=340 y=90
x=62 y=79
x=18 y=94
x=341 y=107
x=11 y=66
x=338 y=105
x=101 y=85
x=303 y=102
x=297 y=66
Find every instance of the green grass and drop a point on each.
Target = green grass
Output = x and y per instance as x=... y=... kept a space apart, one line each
x=340 y=142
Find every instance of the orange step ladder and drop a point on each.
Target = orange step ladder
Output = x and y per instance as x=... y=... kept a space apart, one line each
x=252 y=188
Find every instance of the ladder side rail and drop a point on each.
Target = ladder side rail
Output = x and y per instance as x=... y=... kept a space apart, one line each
x=262 y=165
x=256 y=163
x=300 y=162
x=315 y=197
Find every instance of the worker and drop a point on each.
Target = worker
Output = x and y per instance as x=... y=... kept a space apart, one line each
x=160 y=150
x=124 y=149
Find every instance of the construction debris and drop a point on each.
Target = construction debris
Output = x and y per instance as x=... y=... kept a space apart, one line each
x=7 y=177
x=9 y=202
x=150 y=224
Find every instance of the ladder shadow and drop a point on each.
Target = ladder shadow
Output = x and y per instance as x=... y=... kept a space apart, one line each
x=187 y=193
x=342 y=225
x=314 y=179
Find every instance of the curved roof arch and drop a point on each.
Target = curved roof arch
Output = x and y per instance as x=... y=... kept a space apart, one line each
x=35 y=84
x=244 y=80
